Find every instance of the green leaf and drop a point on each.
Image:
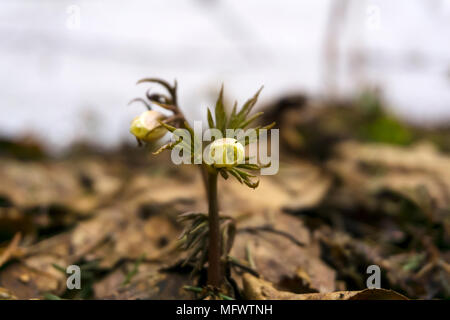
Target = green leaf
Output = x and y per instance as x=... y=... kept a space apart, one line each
x=193 y=289
x=236 y=175
x=224 y=174
x=192 y=254
x=133 y=271
x=249 y=166
x=210 y=119
x=167 y=126
x=196 y=227
x=191 y=215
x=251 y=119
x=269 y=126
x=197 y=223
x=248 y=106
x=169 y=145
x=188 y=127
x=252 y=185
x=243 y=113
x=225 y=297
x=245 y=177
x=59 y=268
x=221 y=116
x=233 y=115
x=49 y=296
x=244 y=174
x=246 y=142
x=196 y=144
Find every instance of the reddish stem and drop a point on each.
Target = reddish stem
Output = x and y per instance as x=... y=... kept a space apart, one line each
x=214 y=268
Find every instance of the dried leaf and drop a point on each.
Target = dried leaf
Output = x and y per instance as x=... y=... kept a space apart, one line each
x=258 y=289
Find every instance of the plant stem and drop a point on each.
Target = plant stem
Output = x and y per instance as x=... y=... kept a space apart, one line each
x=214 y=268
x=204 y=174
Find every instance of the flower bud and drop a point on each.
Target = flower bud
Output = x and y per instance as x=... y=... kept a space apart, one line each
x=226 y=153
x=146 y=126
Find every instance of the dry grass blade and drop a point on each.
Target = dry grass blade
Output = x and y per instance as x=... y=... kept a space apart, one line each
x=10 y=250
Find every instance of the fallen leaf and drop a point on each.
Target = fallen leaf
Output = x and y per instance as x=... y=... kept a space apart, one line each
x=258 y=289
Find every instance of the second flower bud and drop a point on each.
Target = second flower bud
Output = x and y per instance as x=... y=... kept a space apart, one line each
x=146 y=126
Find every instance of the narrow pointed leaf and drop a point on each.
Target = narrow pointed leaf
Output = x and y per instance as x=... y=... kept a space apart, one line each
x=248 y=105
x=232 y=116
x=167 y=126
x=169 y=145
x=244 y=174
x=249 y=166
x=221 y=117
x=224 y=174
x=236 y=175
x=210 y=119
x=251 y=119
x=252 y=185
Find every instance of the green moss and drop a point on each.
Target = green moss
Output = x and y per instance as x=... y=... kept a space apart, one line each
x=378 y=125
x=386 y=130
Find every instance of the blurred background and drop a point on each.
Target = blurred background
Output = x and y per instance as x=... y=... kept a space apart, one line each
x=360 y=90
x=69 y=68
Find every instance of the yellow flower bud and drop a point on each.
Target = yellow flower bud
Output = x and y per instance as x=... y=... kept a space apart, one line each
x=226 y=153
x=146 y=126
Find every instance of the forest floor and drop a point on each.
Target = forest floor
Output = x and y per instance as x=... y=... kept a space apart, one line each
x=309 y=232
